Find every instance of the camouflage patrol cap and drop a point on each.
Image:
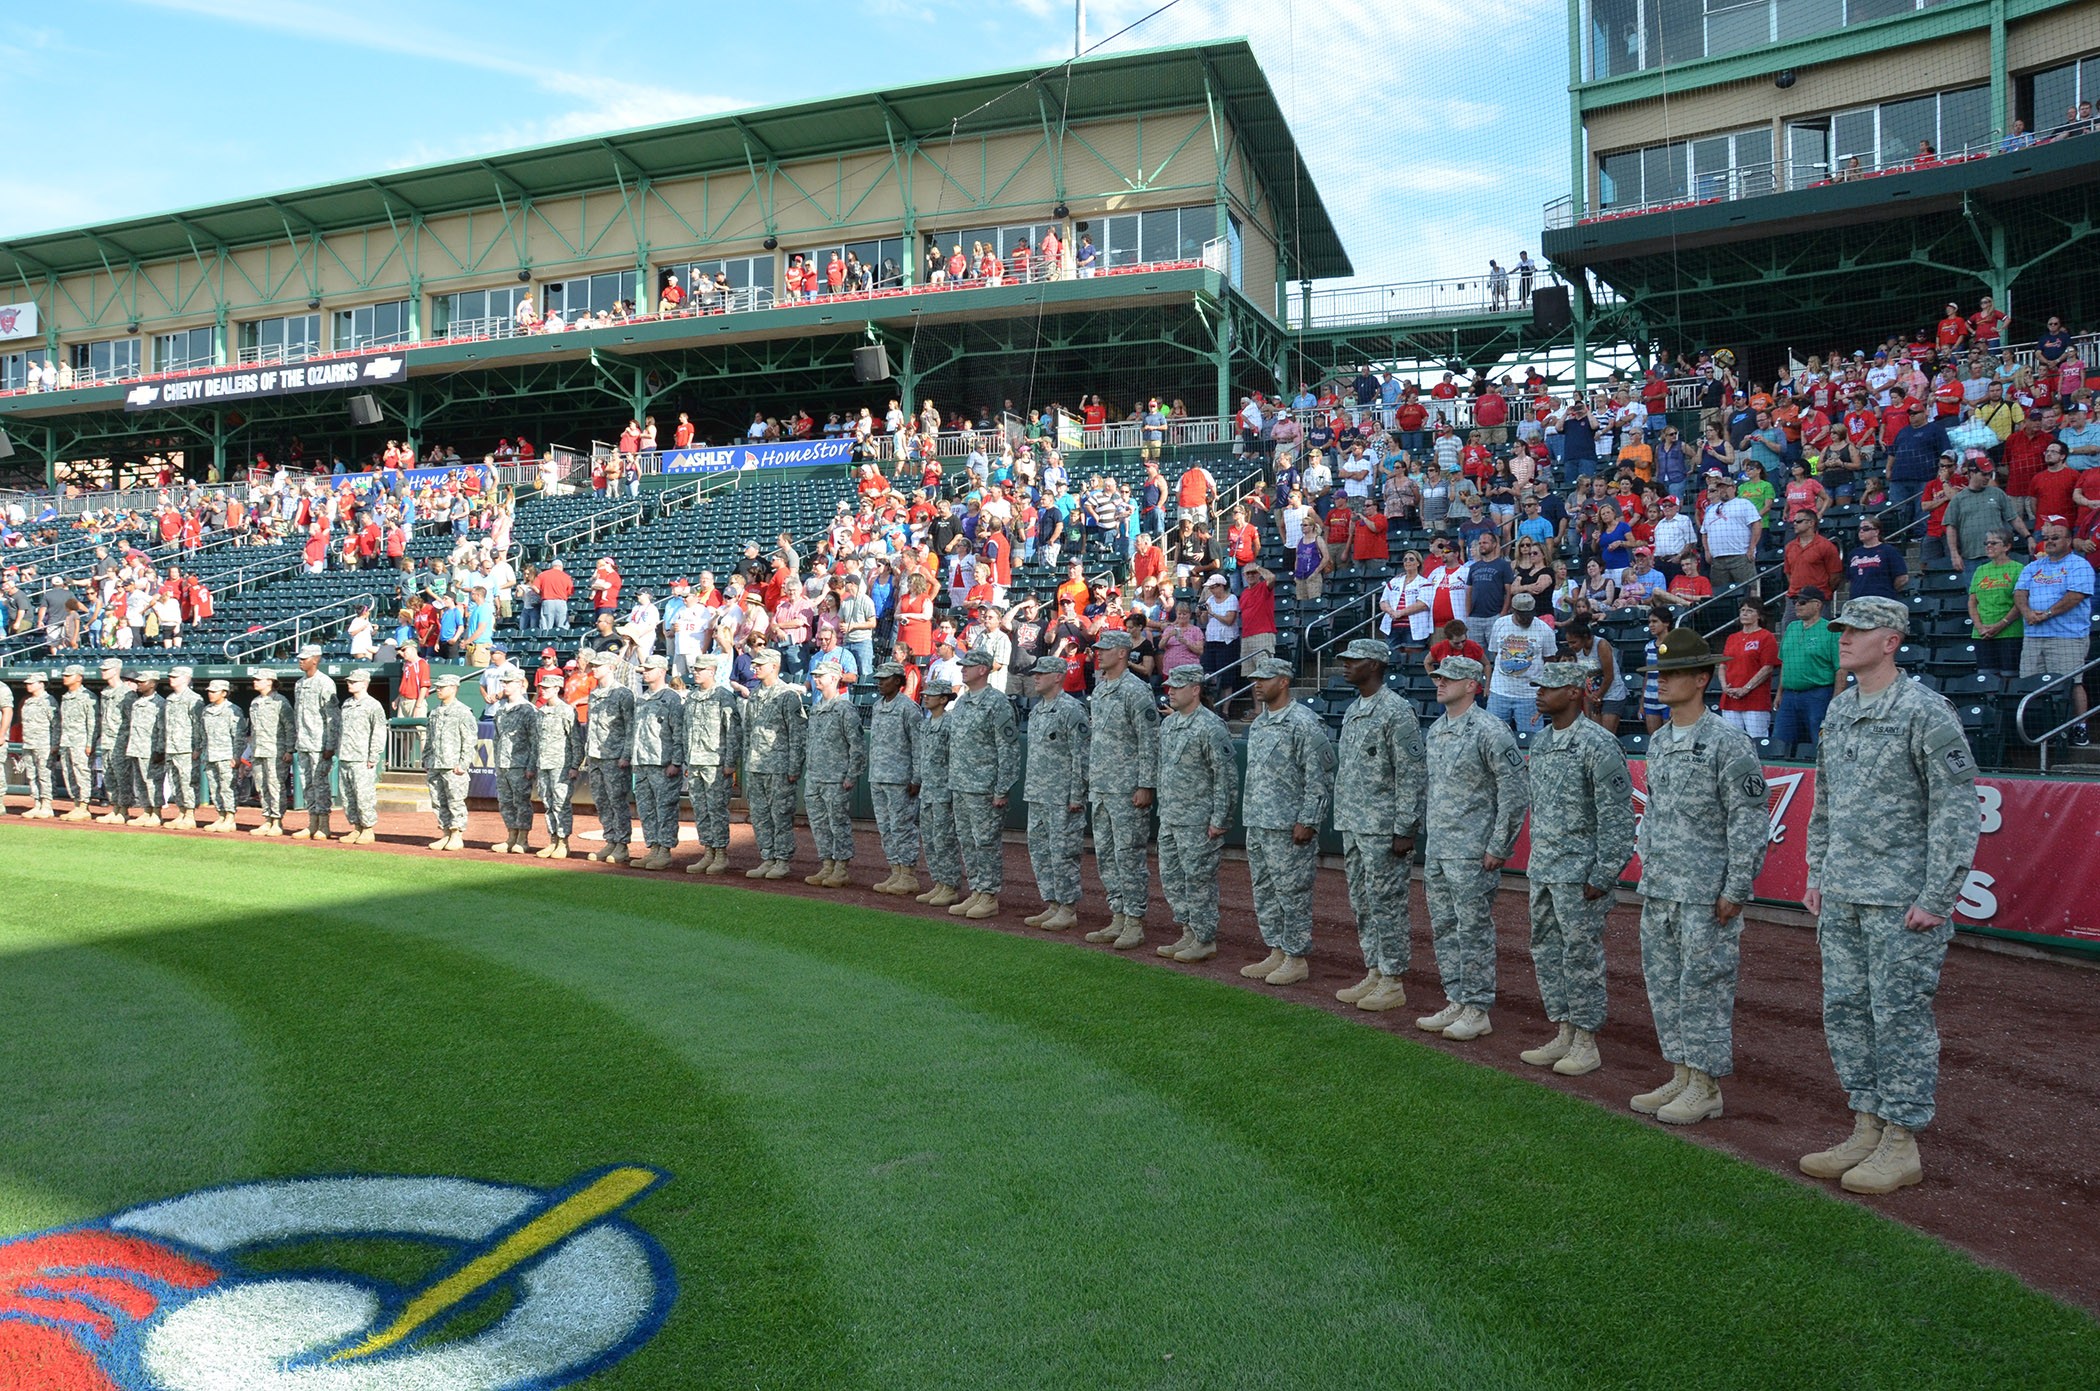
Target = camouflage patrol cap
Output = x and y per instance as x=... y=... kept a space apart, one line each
x=310 y=650
x=1552 y=674
x=830 y=664
x=1049 y=666
x=74 y=669
x=895 y=669
x=1367 y=650
x=112 y=664
x=653 y=662
x=551 y=678
x=1872 y=611
x=1681 y=649
x=36 y=676
x=1187 y=674
x=766 y=657
x=1460 y=669
x=449 y=681
x=1115 y=639
x=938 y=686
x=220 y=686
x=1269 y=668
x=977 y=657
x=605 y=659
x=180 y=671
x=142 y=674
x=358 y=676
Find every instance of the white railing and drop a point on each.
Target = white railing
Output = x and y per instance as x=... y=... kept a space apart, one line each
x=296 y=630
x=263 y=353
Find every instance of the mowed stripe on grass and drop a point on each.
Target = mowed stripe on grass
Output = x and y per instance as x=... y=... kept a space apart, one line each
x=915 y=1154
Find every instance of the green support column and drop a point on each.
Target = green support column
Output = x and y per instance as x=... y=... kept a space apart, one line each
x=1999 y=274
x=415 y=309
x=1579 y=302
x=51 y=457
x=412 y=418
x=1578 y=162
x=218 y=446
x=1221 y=332
x=638 y=398
x=907 y=380
x=221 y=350
x=2001 y=120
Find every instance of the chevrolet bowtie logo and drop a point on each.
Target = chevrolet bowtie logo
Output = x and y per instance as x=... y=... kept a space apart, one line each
x=380 y=368
x=142 y=396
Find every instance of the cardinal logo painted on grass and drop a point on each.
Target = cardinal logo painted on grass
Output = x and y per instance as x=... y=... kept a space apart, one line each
x=534 y=1288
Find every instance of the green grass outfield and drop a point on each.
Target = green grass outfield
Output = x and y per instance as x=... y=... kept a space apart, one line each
x=915 y=1154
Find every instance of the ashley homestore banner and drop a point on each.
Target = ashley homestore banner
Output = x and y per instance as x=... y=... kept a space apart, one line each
x=2038 y=837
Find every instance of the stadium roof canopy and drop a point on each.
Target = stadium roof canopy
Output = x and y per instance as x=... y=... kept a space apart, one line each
x=1116 y=85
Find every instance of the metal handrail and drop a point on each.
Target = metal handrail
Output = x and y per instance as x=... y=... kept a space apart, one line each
x=1755 y=584
x=590 y=528
x=692 y=494
x=2041 y=741
x=244 y=646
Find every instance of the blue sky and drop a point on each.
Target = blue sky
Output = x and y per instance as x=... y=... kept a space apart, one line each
x=1437 y=128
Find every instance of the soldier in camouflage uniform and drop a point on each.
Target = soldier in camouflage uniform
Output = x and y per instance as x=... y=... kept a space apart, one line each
x=1581 y=836
x=1290 y=781
x=1198 y=784
x=936 y=801
x=835 y=757
x=1702 y=843
x=1478 y=793
x=360 y=753
x=316 y=723
x=514 y=739
x=448 y=752
x=78 y=719
x=714 y=749
x=557 y=763
x=894 y=731
x=1056 y=795
x=39 y=718
x=272 y=735
x=178 y=745
x=1122 y=775
x=1380 y=778
x=984 y=760
x=659 y=775
x=222 y=732
x=142 y=748
x=1892 y=761
x=608 y=740
x=774 y=729
x=109 y=742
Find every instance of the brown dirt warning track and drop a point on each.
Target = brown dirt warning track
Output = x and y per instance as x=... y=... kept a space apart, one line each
x=2012 y=1161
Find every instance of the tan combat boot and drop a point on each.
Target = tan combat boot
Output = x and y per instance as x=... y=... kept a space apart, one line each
x=1133 y=935
x=821 y=877
x=906 y=884
x=1260 y=970
x=718 y=863
x=699 y=866
x=887 y=884
x=777 y=870
x=1441 y=1020
x=112 y=817
x=1894 y=1164
x=263 y=829
x=1581 y=1058
x=521 y=842
x=1109 y=931
x=1061 y=919
x=1472 y=1023
x=80 y=813
x=1290 y=972
x=1700 y=1100
x=942 y=896
x=187 y=821
x=546 y=852
x=274 y=829
x=501 y=847
x=658 y=859
x=1547 y=1054
x=986 y=906
x=1038 y=918
x=559 y=850
x=616 y=855
x=1186 y=938
x=1848 y=1153
x=962 y=908
x=1388 y=994
x=1352 y=994
x=1196 y=950
x=759 y=870
x=444 y=838
x=1648 y=1103
x=841 y=876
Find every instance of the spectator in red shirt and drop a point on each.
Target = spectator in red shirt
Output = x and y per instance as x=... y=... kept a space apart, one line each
x=1812 y=560
x=2052 y=492
x=555 y=588
x=1453 y=642
x=412 y=690
x=1257 y=617
x=2025 y=453
x=1747 y=678
x=1953 y=328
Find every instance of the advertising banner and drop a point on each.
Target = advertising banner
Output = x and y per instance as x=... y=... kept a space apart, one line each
x=271 y=379
x=17 y=321
x=779 y=454
x=2028 y=876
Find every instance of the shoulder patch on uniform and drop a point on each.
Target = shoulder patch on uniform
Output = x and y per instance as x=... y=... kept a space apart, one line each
x=1621 y=783
x=1512 y=756
x=1753 y=784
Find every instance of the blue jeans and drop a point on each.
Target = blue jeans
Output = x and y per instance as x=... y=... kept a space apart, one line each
x=1903 y=497
x=863 y=650
x=1799 y=719
x=1523 y=714
x=554 y=615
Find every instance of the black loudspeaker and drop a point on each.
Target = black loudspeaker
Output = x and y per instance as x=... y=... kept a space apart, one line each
x=364 y=410
x=871 y=364
x=7 y=446
x=1549 y=309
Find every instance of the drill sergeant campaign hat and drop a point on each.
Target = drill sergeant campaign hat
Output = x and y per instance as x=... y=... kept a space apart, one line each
x=1681 y=649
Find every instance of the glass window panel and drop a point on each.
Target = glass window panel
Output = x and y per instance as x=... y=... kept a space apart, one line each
x=1116 y=239
x=1965 y=120
x=1664 y=177
x=1861 y=11
x=1904 y=124
x=1733 y=25
x=2055 y=97
x=14 y=371
x=1157 y=235
x=1683 y=31
x=1620 y=185
x=1711 y=161
x=1798 y=19
x=1807 y=154
x=182 y=350
x=1853 y=136
x=2089 y=79
x=1615 y=30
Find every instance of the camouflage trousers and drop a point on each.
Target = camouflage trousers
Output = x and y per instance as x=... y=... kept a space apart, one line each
x=1055 y=838
x=830 y=811
x=1567 y=951
x=1121 y=833
x=1283 y=872
x=612 y=788
x=897 y=818
x=937 y=827
x=1879 y=980
x=555 y=792
x=142 y=783
x=312 y=769
x=656 y=806
x=1378 y=897
x=36 y=771
x=772 y=800
x=360 y=792
x=1188 y=875
x=116 y=780
x=448 y=797
x=1689 y=961
x=182 y=777
x=1462 y=928
x=709 y=789
x=218 y=776
x=78 y=768
x=514 y=798
x=977 y=826
x=268 y=772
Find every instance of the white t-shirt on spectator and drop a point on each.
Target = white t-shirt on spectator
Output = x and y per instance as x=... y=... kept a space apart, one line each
x=1514 y=654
